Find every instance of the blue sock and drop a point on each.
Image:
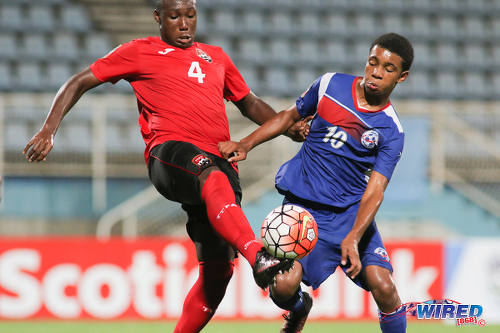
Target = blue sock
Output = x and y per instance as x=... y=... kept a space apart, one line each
x=394 y=322
x=294 y=304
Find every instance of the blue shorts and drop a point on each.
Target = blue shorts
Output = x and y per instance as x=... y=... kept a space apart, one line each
x=333 y=226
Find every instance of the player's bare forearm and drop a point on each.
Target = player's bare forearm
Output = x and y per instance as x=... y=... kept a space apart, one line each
x=70 y=92
x=368 y=207
x=270 y=129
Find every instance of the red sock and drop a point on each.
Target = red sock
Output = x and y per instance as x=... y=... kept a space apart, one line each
x=226 y=217
x=205 y=296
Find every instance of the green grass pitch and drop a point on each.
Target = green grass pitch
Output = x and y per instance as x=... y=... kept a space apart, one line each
x=225 y=327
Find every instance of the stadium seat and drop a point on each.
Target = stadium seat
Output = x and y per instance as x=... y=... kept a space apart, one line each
x=280 y=51
x=335 y=54
x=8 y=46
x=253 y=22
x=474 y=26
x=74 y=17
x=448 y=85
x=303 y=79
x=309 y=23
x=224 y=42
x=11 y=18
x=423 y=54
x=97 y=46
x=360 y=53
x=250 y=75
x=447 y=54
x=40 y=18
x=29 y=76
x=420 y=85
x=277 y=82
x=306 y=51
x=34 y=46
x=364 y=25
x=74 y=137
x=251 y=50
x=475 y=55
x=475 y=86
x=336 y=24
x=5 y=77
x=420 y=25
x=447 y=26
x=225 y=21
x=57 y=74
x=393 y=23
x=65 y=46
x=281 y=21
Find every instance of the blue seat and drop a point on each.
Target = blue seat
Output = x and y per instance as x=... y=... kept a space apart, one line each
x=423 y=54
x=5 y=77
x=11 y=18
x=57 y=74
x=448 y=85
x=251 y=49
x=474 y=26
x=306 y=51
x=336 y=24
x=447 y=26
x=250 y=76
x=447 y=54
x=66 y=46
x=8 y=46
x=34 y=45
x=253 y=22
x=277 y=82
x=420 y=25
x=475 y=55
x=281 y=51
x=97 y=46
x=16 y=135
x=74 y=17
x=40 y=18
x=29 y=76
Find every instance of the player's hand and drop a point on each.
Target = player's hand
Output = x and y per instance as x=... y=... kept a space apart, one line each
x=349 y=248
x=39 y=146
x=300 y=130
x=233 y=151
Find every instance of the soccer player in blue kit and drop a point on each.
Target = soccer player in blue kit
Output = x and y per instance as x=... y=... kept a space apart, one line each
x=339 y=175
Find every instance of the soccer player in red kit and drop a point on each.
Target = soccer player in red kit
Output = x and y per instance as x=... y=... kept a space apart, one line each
x=180 y=87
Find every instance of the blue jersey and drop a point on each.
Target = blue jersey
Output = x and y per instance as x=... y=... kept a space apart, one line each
x=344 y=145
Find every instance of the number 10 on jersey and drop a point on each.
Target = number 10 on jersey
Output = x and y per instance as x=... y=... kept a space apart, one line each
x=195 y=71
x=336 y=138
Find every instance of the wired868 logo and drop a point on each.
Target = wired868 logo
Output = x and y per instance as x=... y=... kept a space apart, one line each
x=448 y=309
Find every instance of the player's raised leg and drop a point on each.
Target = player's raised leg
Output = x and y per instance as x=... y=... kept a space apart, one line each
x=392 y=314
x=287 y=294
x=228 y=219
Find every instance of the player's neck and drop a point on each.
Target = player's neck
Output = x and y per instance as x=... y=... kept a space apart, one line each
x=368 y=101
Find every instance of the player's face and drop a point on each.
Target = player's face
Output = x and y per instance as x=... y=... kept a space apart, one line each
x=383 y=70
x=177 y=20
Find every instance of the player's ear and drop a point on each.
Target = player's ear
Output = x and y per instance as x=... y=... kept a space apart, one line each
x=157 y=17
x=403 y=76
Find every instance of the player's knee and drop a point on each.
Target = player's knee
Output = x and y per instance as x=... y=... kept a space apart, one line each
x=386 y=295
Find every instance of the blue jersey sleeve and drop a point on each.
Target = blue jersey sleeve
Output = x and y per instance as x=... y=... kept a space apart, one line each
x=389 y=153
x=308 y=102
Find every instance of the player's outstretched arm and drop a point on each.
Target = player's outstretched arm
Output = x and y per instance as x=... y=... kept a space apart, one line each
x=270 y=129
x=370 y=203
x=70 y=92
x=255 y=109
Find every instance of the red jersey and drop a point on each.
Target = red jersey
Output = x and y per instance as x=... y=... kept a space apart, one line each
x=180 y=92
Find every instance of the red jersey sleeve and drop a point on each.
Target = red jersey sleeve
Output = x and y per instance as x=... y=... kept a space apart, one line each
x=235 y=87
x=121 y=63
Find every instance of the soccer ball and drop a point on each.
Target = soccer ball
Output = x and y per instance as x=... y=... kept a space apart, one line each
x=289 y=231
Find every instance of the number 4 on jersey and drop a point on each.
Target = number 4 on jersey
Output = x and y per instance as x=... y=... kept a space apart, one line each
x=195 y=71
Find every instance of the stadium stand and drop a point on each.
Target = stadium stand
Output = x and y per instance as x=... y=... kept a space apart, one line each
x=279 y=50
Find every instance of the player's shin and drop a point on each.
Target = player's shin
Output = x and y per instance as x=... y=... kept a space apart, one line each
x=394 y=322
x=226 y=217
x=205 y=295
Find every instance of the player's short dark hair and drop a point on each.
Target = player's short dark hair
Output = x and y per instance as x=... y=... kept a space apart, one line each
x=159 y=5
x=396 y=44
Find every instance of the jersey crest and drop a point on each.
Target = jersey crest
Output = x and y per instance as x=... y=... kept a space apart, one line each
x=369 y=139
x=203 y=55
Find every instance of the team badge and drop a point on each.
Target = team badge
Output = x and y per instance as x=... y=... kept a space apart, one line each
x=201 y=160
x=382 y=253
x=369 y=139
x=203 y=55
